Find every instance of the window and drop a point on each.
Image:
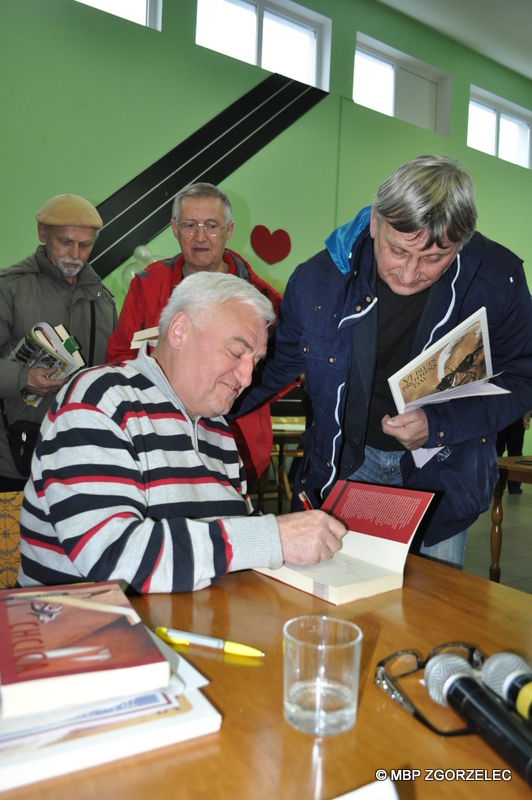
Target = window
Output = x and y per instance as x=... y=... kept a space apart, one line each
x=277 y=35
x=144 y=12
x=498 y=127
x=400 y=86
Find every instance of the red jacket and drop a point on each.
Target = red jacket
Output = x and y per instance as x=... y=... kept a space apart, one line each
x=148 y=294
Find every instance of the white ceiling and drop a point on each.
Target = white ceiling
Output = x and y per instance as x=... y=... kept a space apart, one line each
x=499 y=29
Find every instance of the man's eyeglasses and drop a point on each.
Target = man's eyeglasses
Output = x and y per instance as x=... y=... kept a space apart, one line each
x=190 y=227
x=401 y=665
x=448 y=380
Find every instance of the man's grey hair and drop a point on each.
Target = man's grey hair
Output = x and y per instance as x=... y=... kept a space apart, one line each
x=197 y=295
x=432 y=194
x=202 y=190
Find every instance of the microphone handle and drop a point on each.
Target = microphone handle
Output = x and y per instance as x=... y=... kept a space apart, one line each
x=498 y=726
x=520 y=695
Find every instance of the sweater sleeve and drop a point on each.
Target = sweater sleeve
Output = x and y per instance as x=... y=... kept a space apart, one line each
x=93 y=511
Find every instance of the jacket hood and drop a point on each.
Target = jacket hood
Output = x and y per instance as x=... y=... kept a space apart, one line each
x=340 y=242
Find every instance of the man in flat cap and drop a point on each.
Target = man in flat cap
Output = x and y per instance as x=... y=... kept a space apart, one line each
x=54 y=285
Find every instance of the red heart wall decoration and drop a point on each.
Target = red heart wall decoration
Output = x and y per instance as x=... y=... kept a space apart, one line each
x=271 y=247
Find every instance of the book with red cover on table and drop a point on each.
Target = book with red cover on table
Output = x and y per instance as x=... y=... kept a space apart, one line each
x=63 y=643
x=381 y=522
x=41 y=746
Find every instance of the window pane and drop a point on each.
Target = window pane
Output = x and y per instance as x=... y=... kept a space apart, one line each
x=229 y=27
x=514 y=137
x=134 y=10
x=481 y=128
x=288 y=48
x=415 y=99
x=374 y=83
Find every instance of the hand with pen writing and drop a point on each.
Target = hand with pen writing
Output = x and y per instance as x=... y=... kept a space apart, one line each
x=308 y=537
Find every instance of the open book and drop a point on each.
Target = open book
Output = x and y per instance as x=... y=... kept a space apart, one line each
x=381 y=522
x=457 y=365
x=50 y=347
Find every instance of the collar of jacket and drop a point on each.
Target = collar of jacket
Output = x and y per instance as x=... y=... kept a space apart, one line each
x=86 y=277
x=340 y=242
x=235 y=262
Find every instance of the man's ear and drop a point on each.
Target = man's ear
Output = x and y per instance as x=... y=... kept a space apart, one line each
x=41 y=230
x=178 y=330
x=373 y=223
x=230 y=229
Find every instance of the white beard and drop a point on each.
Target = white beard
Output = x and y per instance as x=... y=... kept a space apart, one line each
x=70 y=267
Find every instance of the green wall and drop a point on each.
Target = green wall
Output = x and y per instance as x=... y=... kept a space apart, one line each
x=89 y=100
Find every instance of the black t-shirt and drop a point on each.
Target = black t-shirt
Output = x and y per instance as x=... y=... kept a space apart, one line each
x=398 y=319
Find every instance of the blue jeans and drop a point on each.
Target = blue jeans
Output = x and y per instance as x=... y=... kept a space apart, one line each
x=384 y=468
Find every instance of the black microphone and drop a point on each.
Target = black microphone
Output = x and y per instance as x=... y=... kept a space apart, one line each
x=509 y=676
x=450 y=682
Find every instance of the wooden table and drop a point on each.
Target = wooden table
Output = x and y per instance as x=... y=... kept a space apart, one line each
x=256 y=755
x=509 y=470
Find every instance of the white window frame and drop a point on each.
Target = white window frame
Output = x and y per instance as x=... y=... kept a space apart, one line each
x=154 y=13
x=300 y=15
x=500 y=106
x=405 y=65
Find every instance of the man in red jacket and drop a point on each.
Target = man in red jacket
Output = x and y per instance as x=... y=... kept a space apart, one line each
x=202 y=222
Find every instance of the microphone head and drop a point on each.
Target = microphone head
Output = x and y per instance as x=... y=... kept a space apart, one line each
x=440 y=670
x=499 y=670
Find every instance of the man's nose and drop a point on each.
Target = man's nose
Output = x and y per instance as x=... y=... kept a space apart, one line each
x=200 y=232
x=409 y=270
x=73 y=250
x=244 y=371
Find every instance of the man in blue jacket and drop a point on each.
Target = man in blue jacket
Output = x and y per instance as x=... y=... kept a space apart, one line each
x=390 y=283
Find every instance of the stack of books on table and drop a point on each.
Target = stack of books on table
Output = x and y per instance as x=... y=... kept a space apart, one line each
x=83 y=682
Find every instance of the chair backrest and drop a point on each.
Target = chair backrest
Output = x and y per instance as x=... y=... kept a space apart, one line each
x=10 y=503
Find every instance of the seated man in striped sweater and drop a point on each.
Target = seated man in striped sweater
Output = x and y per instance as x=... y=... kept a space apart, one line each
x=136 y=475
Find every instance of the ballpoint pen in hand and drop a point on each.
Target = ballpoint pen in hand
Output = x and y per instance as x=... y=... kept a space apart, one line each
x=174 y=636
x=307 y=505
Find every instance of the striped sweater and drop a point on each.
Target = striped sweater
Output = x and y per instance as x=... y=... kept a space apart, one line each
x=126 y=486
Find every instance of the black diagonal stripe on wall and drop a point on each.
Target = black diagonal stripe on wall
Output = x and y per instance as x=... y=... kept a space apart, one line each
x=141 y=210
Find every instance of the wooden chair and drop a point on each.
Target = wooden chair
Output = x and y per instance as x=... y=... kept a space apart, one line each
x=10 y=503
x=288 y=423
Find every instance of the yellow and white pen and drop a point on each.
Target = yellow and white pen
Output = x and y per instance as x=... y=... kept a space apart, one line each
x=174 y=636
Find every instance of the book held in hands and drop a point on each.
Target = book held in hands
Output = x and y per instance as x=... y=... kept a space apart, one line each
x=381 y=523
x=144 y=335
x=49 y=347
x=458 y=365
x=63 y=643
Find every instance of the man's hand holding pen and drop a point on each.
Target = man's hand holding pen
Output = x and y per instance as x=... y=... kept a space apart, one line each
x=308 y=537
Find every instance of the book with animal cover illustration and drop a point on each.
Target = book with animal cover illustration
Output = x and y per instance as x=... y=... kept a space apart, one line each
x=381 y=523
x=42 y=746
x=65 y=642
x=50 y=347
x=457 y=365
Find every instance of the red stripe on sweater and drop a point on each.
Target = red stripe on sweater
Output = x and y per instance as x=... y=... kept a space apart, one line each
x=93 y=531
x=228 y=547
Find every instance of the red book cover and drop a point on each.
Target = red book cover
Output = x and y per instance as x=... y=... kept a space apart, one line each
x=383 y=511
x=73 y=644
